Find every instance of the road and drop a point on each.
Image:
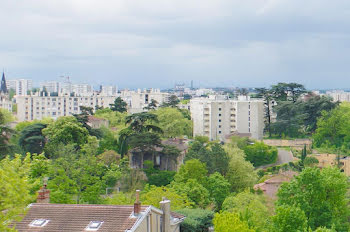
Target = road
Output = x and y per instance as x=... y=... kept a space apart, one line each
x=283 y=157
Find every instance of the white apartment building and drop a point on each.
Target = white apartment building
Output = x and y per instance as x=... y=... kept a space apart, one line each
x=33 y=107
x=5 y=103
x=138 y=100
x=218 y=117
x=21 y=86
x=67 y=87
x=109 y=90
x=50 y=86
x=339 y=95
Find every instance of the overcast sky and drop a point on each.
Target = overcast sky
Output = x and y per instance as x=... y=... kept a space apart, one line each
x=155 y=43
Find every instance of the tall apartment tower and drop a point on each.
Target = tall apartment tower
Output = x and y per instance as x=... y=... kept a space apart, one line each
x=218 y=117
x=21 y=86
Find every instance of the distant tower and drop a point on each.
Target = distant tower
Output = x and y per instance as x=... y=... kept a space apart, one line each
x=191 y=84
x=3 y=88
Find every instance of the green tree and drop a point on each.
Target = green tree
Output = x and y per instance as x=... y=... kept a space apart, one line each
x=173 y=122
x=259 y=154
x=152 y=195
x=192 y=169
x=83 y=118
x=289 y=219
x=250 y=207
x=230 y=222
x=116 y=119
x=66 y=130
x=119 y=105
x=332 y=129
x=310 y=161
x=320 y=194
x=172 y=102
x=212 y=154
x=14 y=189
x=152 y=105
x=312 y=108
x=5 y=134
x=142 y=122
x=219 y=188
x=241 y=173
x=268 y=98
x=32 y=139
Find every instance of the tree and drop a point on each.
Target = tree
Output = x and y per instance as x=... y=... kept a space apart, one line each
x=287 y=91
x=259 y=154
x=212 y=154
x=190 y=180
x=230 y=222
x=14 y=189
x=268 y=98
x=312 y=108
x=115 y=118
x=192 y=169
x=32 y=139
x=171 y=153
x=66 y=130
x=241 y=173
x=5 y=134
x=152 y=195
x=197 y=220
x=303 y=154
x=83 y=118
x=173 y=122
x=250 y=207
x=152 y=105
x=172 y=102
x=79 y=177
x=289 y=219
x=320 y=194
x=119 y=105
x=140 y=122
x=289 y=119
x=219 y=188
x=332 y=129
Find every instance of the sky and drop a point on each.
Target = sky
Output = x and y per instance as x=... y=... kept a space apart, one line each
x=157 y=43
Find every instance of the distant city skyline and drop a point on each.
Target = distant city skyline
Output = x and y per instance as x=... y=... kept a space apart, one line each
x=145 y=44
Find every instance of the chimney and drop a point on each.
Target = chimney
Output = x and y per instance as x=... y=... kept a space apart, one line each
x=165 y=207
x=43 y=194
x=137 y=204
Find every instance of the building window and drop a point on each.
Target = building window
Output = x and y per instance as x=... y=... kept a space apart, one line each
x=219 y=126
x=219 y=132
x=219 y=115
x=219 y=109
x=219 y=120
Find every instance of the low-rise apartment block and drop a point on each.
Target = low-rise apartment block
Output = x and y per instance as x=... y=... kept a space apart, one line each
x=218 y=117
x=37 y=106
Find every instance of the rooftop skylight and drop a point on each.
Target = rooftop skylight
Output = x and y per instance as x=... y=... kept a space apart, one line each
x=94 y=225
x=39 y=222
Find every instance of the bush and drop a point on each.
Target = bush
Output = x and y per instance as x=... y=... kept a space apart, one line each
x=260 y=154
x=197 y=220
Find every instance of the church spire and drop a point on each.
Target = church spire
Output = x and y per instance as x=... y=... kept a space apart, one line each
x=3 y=88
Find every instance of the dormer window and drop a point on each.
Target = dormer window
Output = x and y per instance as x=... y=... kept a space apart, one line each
x=94 y=225
x=39 y=222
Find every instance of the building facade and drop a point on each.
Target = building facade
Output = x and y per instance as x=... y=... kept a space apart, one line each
x=138 y=100
x=37 y=106
x=5 y=102
x=21 y=86
x=218 y=117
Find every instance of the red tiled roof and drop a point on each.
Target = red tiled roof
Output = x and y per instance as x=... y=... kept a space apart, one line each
x=69 y=218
